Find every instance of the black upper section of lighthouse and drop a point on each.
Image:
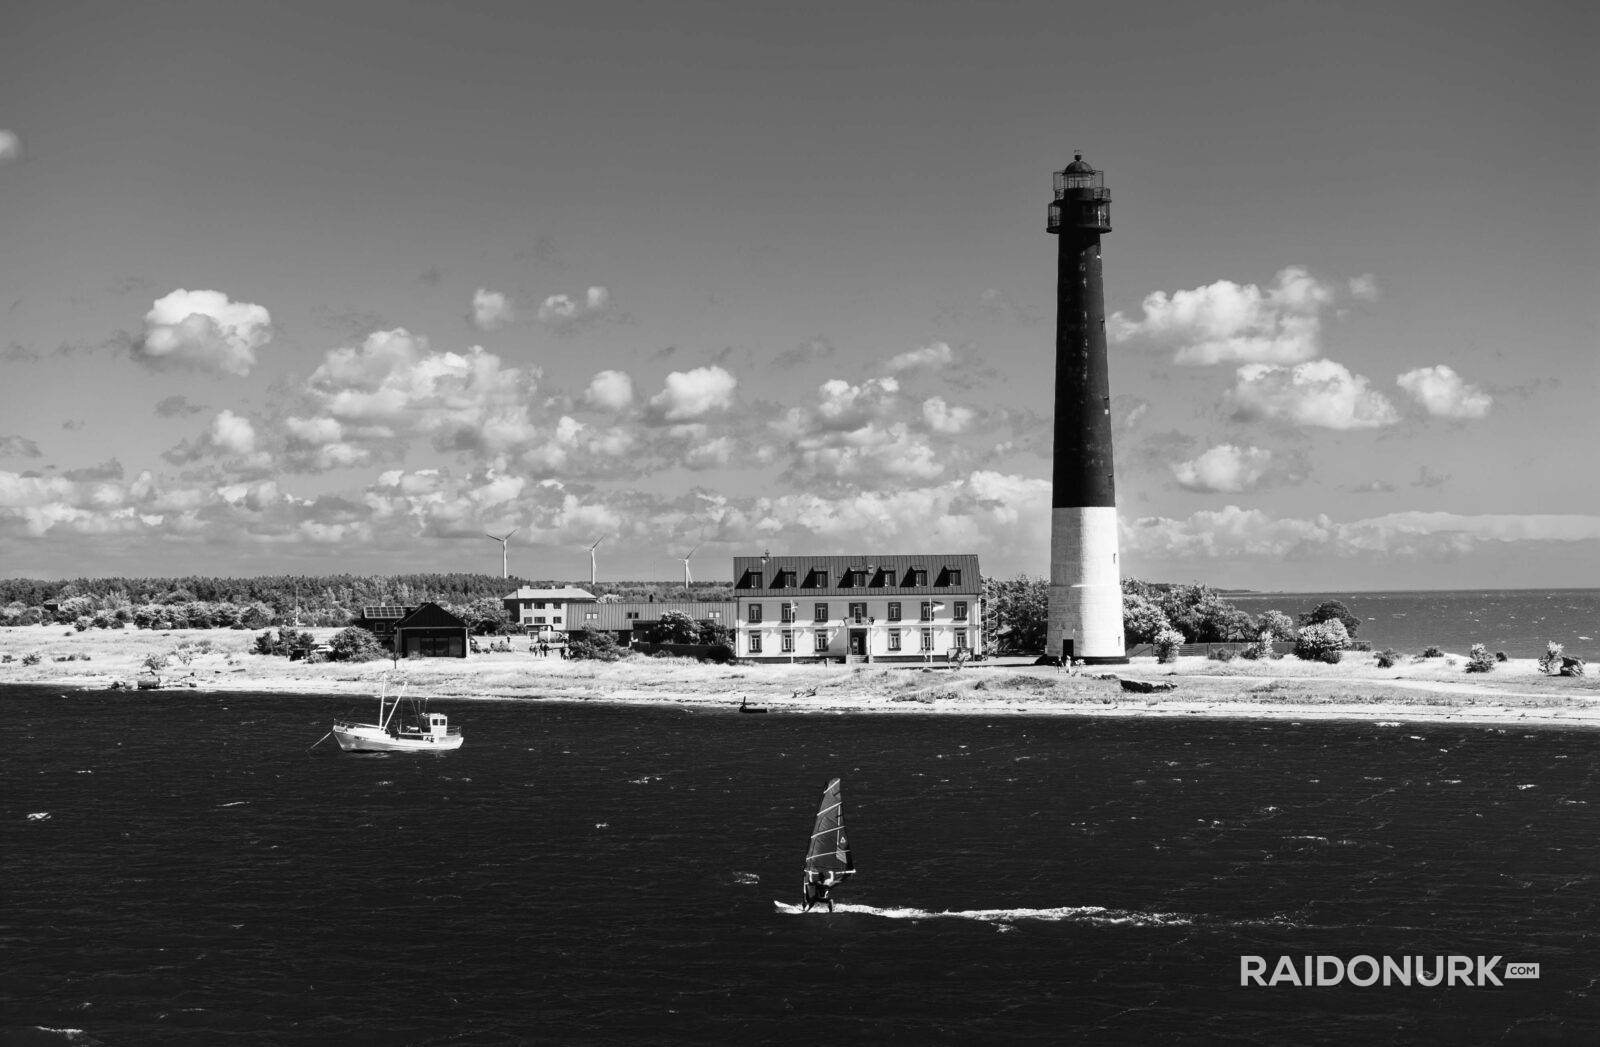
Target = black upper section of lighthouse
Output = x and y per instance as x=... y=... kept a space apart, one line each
x=1079 y=214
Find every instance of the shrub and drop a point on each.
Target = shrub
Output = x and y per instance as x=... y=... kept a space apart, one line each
x=1167 y=642
x=1279 y=625
x=155 y=663
x=593 y=645
x=1332 y=611
x=1221 y=654
x=1550 y=664
x=32 y=658
x=1387 y=657
x=1500 y=656
x=1260 y=650
x=355 y=644
x=1432 y=652
x=1331 y=655
x=1315 y=640
x=1480 y=660
x=1359 y=645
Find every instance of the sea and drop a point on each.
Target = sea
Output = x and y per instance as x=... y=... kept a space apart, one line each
x=191 y=868
x=1520 y=622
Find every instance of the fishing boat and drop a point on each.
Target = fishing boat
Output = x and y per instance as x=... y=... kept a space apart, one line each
x=828 y=859
x=417 y=730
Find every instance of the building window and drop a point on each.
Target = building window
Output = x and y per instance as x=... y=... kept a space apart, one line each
x=591 y=616
x=783 y=580
x=538 y=619
x=961 y=639
x=630 y=615
x=555 y=619
x=894 y=611
x=527 y=619
x=927 y=610
x=755 y=579
x=819 y=613
x=822 y=640
x=894 y=639
x=927 y=639
x=952 y=576
x=538 y=605
x=787 y=612
x=919 y=576
x=788 y=641
x=755 y=643
x=858 y=611
x=753 y=613
x=961 y=610
x=714 y=615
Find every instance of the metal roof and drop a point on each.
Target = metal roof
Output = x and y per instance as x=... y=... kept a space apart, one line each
x=881 y=574
x=564 y=593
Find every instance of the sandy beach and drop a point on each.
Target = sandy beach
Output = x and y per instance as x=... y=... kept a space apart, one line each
x=1288 y=688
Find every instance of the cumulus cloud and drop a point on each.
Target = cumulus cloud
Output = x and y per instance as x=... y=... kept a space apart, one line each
x=610 y=390
x=943 y=418
x=842 y=406
x=693 y=394
x=561 y=309
x=491 y=309
x=928 y=357
x=1443 y=393
x=203 y=329
x=10 y=146
x=1225 y=322
x=1224 y=469
x=1315 y=393
x=18 y=447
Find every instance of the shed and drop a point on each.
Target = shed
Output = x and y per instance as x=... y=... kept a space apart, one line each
x=430 y=631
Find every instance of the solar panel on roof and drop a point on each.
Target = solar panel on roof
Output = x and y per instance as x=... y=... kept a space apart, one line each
x=383 y=612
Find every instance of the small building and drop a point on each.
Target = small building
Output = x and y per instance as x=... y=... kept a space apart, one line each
x=430 y=631
x=621 y=618
x=546 y=610
x=869 y=608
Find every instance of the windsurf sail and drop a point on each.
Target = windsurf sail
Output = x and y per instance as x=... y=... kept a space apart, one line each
x=830 y=848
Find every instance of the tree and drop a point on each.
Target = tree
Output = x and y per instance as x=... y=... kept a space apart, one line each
x=1332 y=610
x=354 y=644
x=1278 y=624
x=1142 y=619
x=598 y=645
x=1321 y=641
x=1017 y=614
x=672 y=627
x=1167 y=642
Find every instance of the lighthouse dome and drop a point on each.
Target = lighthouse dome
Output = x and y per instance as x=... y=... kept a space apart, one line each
x=1078 y=166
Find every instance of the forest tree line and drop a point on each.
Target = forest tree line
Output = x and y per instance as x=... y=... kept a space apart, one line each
x=1014 y=610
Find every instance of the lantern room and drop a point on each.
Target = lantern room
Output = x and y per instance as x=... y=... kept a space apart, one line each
x=1082 y=200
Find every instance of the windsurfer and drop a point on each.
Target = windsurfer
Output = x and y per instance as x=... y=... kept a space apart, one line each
x=819 y=889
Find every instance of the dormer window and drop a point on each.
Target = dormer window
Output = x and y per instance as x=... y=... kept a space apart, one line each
x=783 y=579
x=919 y=576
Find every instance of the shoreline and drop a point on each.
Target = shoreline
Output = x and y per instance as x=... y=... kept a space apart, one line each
x=1414 y=690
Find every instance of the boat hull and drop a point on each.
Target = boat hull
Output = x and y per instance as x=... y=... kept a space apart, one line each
x=370 y=738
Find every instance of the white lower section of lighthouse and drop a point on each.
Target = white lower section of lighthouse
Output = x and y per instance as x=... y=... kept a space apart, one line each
x=1085 y=583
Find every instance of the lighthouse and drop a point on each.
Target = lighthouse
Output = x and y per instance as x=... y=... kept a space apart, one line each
x=1085 y=617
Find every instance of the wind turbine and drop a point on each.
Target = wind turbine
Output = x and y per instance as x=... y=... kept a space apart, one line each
x=505 y=551
x=686 y=569
x=592 y=548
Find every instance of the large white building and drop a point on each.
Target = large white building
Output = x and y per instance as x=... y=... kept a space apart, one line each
x=879 y=608
x=546 y=610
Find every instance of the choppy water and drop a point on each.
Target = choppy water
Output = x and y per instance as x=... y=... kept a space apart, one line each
x=1519 y=622
x=179 y=870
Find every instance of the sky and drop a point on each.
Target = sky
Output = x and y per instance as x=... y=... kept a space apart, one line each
x=341 y=287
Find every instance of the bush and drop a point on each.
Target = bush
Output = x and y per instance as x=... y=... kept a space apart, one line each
x=1500 y=656
x=1480 y=660
x=1315 y=640
x=1550 y=664
x=1279 y=625
x=1432 y=652
x=1167 y=642
x=355 y=644
x=1330 y=655
x=32 y=658
x=1259 y=650
x=1221 y=654
x=1332 y=611
x=155 y=663
x=593 y=645
x=1387 y=657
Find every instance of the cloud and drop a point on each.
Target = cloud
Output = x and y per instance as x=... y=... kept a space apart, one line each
x=203 y=329
x=1315 y=393
x=942 y=418
x=810 y=351
x=1225 y=469
x=18 y=447
x=561 y=309
x=610 y=390
x=1225 y=322
x=842 y=406
x=1443 y=394
x=692 y=394
x=491 y=309
x=930 y=357
x=177 y=406
x=110 y=469
x=1372 y=487
x=1364 y=288
x=10 y=146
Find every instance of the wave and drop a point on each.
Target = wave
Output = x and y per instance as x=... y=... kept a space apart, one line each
x=1094 y=914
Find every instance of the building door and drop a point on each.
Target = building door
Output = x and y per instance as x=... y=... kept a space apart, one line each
x=1066 y=651
x=858 y=641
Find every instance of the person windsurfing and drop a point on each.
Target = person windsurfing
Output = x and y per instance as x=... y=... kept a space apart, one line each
x=819 y=889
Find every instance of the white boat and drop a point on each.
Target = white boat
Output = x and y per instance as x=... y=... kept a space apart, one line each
x=420 y=732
